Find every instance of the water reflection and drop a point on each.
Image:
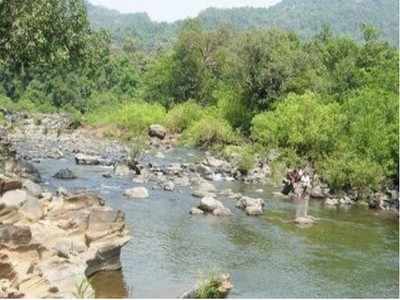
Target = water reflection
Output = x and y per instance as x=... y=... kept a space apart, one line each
x=110 y=284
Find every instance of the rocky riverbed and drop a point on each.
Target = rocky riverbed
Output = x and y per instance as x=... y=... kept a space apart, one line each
x=188 y=212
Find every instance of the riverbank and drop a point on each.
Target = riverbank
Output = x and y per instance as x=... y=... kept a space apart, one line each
x=173 y=247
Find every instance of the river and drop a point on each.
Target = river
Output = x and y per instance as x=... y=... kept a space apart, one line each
x=351 y=252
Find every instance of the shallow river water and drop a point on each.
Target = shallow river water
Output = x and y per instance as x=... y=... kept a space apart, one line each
x=349 y=253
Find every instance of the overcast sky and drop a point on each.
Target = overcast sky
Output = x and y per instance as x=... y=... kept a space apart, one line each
x=172 y=10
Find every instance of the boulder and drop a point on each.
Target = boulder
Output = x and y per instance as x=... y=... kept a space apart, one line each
x=65 y=174
x=87 y=160
x=252 y=207
x=196 y=211
x=222 y=212
x=169 y=186
x=254 y=210
x=32 y=209
x=23 y=169
x=9 y=184
x=331 y=202
x=11 y=235
x=203 y=188
x=317 y=192
x=33 y=188
x=122 y=170
x=204 y=170
x=224 y=286
x=14 y=199
x=157 y=131
x=304 y=220
x=137 y=192
x=209 y=204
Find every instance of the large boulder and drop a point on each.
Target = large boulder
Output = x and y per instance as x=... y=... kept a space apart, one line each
x=65 y=174
x=15 y=199
x=137 y=193
x=203 y=189
x=252 y=207
x=157 y=131
x=209 y=204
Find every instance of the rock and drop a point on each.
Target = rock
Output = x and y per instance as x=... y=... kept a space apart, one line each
x=65 y=174
x=221 y=291
x=208 y=204
x=331 y=202
x=157 y=131
x=214 y=163
x=32 y=209
x=247 y=201
x=304 y=221
x=61 y=191
x=87 y=160
x=122 y=170
x=345 y=201
x=15 y=235
x=9 y=184
x=23 y=169
x=169 y=186
x=14 y=199
x=137 y=192
x=204 y=170
x=33 y=188
x=253 y=207
x=203 y=188
x=196 y=211
x=222 y=212
x=254 y=210
x=317 y=192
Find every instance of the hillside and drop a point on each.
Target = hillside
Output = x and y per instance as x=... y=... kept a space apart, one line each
x=305 y=17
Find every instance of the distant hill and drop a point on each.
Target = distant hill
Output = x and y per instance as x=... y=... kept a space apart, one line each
x=306 y=17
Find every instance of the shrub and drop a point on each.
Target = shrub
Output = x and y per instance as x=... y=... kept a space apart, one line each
x=134 y=117
x=302 y=123
x=209 y=131
x=232 y=108
x=182 y=116
x=209 y=289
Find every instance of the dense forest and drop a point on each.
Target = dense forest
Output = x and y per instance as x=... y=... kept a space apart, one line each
x=329 y=100
x=305 y=17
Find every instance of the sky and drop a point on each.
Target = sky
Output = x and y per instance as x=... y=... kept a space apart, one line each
x=172 y=10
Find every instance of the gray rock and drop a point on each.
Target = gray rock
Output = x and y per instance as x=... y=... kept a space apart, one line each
x=14 y=199
x=157 y=131
x=222 y=212
x=209 y=204
x=169 y=186
x=87 y=160
x=203 y=188
x=122 y=170
x=196 y=211
x=33 y=188
x=331 y=202
x=137 y=193
x=65 y=174
x=254 y=210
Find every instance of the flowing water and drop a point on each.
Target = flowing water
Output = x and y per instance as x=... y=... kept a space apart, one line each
x=350 y=252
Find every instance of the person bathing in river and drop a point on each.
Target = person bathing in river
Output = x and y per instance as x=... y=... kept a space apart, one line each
x=300 y=181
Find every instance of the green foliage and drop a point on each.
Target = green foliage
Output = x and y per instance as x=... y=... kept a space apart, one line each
x=83 y=289
x=210 y=130
x=209 y=288
x=182 y=116
x=134 y=118
x=303 y=123
x=232 y=108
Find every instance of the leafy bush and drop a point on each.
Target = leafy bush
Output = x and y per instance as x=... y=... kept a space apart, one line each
x=232 y=108
x=134 y=117
x=302 y=123
x=182 y=116
x=208 y=131
x=209 y=289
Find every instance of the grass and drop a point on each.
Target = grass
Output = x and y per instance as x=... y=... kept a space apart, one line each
x=133 y=118
x=210 y=288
